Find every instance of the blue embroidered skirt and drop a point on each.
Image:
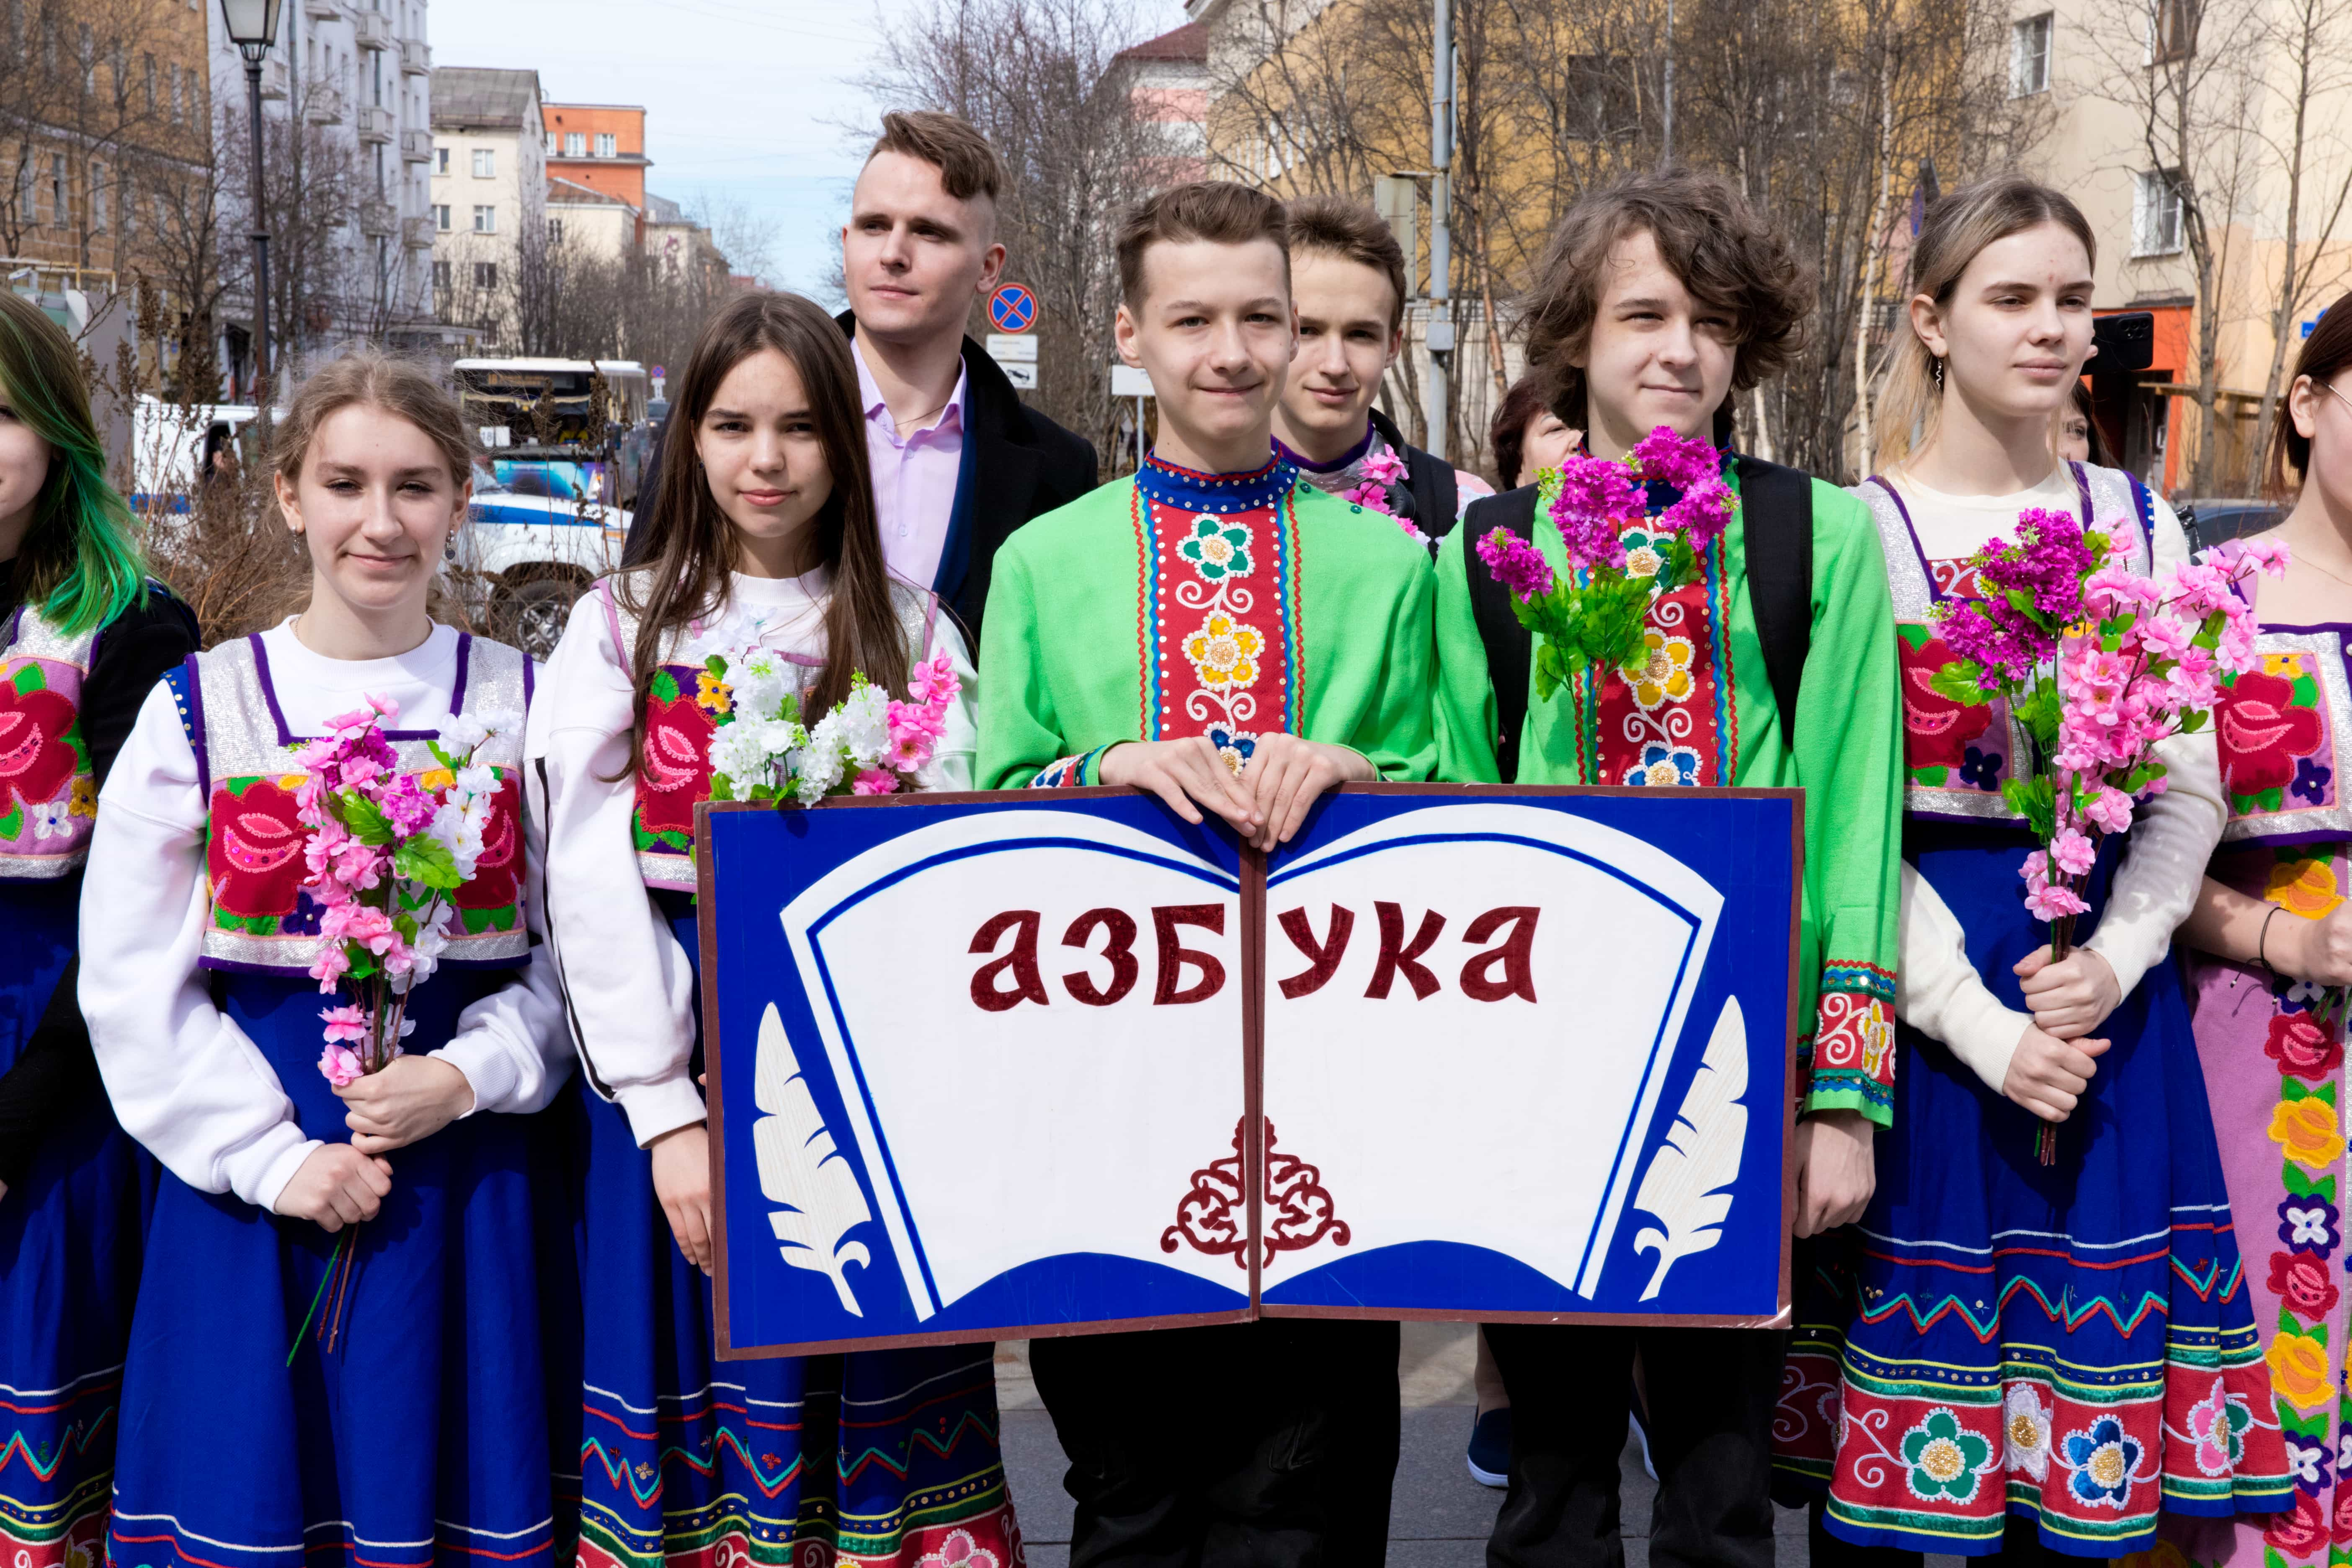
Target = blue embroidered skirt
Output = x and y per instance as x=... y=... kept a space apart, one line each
x=70 y=1234
x=375 y=1396
x=2072 y=1343
x=882 y=1458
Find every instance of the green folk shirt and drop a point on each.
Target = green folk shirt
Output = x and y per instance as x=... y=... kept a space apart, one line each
x=1701 y=711
x=1176 y=603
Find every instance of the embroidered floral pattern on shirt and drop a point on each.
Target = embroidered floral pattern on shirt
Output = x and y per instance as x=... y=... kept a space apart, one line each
x=1218 y=607
x=1669 y=723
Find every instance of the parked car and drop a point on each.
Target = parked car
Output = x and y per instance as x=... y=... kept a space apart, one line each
x=540 y=530
x=2214 y=520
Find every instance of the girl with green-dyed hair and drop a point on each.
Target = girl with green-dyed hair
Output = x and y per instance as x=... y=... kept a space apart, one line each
x=76 y=554
x=84 y=640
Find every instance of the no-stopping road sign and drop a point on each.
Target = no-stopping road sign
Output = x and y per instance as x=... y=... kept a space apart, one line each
x=1012 y=308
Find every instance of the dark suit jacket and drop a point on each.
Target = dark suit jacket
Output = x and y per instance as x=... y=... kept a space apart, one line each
x=1018 y=465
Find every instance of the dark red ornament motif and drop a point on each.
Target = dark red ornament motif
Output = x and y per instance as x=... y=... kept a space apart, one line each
x=2260 y=732
x=255 y=853
x=499 y=868
x=675 y=773
x=1936 y=730
x=1212 y=1216
x=35 y=760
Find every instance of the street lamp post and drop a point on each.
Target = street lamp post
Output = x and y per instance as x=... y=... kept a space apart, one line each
x=253 y=29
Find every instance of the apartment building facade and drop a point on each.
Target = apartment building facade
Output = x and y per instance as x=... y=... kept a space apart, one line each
x=490 y=199
x=347 y=97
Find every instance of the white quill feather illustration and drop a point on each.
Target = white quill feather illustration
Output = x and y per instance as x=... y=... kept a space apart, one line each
x=801 y=1168
x=1686 y=1187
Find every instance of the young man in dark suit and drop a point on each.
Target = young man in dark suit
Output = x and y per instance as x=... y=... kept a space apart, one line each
x=958 y=460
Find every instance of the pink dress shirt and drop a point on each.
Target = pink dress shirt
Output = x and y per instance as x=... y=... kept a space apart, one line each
x=913 y=478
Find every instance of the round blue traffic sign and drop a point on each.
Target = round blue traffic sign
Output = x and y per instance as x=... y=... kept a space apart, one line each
x=1012 y=308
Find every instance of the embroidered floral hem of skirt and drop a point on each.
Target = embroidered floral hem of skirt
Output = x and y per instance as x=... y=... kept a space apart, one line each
x=885 y=1457
x=2072 y=1343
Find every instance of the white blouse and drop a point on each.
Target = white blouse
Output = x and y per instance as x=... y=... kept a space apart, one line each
x=1938 y=991
x=185 y=1079
x=631 y=987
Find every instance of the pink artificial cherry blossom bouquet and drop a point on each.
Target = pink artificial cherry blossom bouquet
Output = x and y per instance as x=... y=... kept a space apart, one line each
x=1619 y=559
x=1381 y=469
x=385 y=853
x=870 y=745
x=2097 y=665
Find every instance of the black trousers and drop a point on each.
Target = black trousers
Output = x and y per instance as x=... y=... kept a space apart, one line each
x=1265 y=1445
x=1711 y=1393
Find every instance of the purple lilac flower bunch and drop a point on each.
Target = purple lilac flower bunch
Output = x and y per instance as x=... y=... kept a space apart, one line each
x=1597 y=614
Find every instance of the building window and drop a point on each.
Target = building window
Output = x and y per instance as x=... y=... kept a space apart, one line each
x=604 y=144
x=575 y=144
x=179 y=97
x=555 y=231
x=440 y=159
x=485 y=163
x=129 y=201
x=441 y=216
x=486 y=220
x=486 y=274
x=149 y=61
x=441 y=275
x=97 y=197
x=57 y=189
x=2156 y=213
x=2171 y=31
x=550 y=143
x=2029 y=55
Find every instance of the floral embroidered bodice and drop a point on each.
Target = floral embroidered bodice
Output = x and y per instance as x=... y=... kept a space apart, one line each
x=49 y=797
x=261 y=920
x=1957 y=757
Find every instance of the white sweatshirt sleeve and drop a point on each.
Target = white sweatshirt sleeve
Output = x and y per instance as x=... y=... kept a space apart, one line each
x=952 y=759
x=2173 y=837
x=632 y=990
x=185 y=1079
x=513 y=1044
x=1939 y=992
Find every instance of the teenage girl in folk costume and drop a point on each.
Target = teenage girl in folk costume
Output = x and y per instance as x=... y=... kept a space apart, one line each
x=765 y=533
x=82 y=639
x=296 y=1386
x=2271 y=940
x=2065 y=1349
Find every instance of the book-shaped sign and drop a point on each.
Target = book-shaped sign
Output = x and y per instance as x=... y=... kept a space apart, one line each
x=995 y=1065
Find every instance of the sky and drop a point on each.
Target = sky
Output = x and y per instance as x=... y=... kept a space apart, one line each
x=745 y=100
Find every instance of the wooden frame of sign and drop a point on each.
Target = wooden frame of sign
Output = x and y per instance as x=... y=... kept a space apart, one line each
x=1252 y=902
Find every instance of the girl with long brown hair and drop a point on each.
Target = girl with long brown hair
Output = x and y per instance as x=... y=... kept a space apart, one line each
x=763 y=538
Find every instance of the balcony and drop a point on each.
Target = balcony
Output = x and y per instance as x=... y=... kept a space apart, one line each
x=273 y=80
x=415 y=57
x=323 y=10
x=378 y=218
x=417 y=146
x=373 y=30
x=375 y=124
x=322 y=106
x=417 y=232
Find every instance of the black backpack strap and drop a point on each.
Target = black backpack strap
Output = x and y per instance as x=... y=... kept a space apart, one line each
x=1775 y=510
x=1510 y=646
x=1435 y=495
x=1430 y=497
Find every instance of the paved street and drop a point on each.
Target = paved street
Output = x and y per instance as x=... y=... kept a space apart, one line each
x=1441 y=1515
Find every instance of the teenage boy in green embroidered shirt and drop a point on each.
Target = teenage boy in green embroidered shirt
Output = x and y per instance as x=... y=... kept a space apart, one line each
x=1236 y=642
x=1655 y=300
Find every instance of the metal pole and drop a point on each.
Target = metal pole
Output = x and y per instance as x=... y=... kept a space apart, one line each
x=260 y=253
x=1440 y=329
x=1666 y=148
